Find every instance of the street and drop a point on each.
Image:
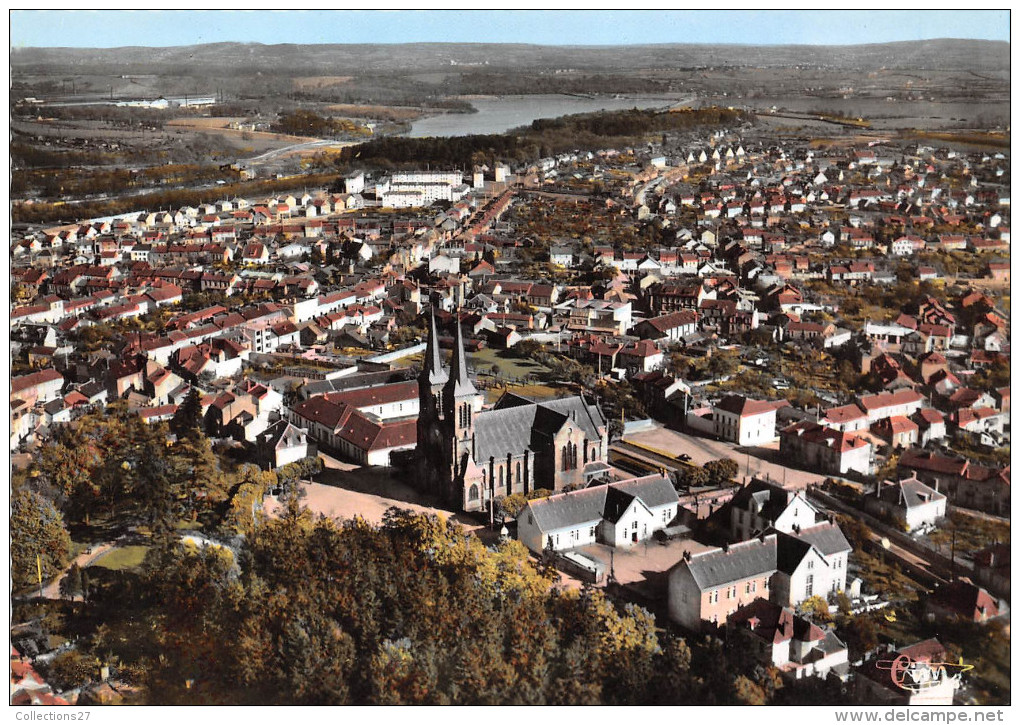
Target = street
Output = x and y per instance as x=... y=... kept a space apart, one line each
x=757 y=461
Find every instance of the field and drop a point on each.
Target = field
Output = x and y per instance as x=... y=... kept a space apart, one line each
x=125 y=557
x=384 y=113
x=510 y=367
x=314 y=82
x=220 y=126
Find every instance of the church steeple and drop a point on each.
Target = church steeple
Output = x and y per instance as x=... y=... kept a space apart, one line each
x=459 y=380
x=460 y=398
x=433 y=371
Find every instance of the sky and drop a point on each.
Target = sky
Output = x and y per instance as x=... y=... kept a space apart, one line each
x=156 y=28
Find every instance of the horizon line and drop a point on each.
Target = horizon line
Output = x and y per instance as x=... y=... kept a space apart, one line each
x=501 y=43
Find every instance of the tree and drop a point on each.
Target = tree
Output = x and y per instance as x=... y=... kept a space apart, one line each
x=37 y=530
x=71 y=584
x=187 y=421
x=509 y=507
x=72 y=669
x=860 y=634
x=816 y=609
x=692 y=477
x=721 y=471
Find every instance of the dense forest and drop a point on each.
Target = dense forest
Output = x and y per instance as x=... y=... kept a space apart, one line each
x=302 y=610
x=544 y=137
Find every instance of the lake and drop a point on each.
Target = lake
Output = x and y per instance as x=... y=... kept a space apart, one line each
x=500 y=114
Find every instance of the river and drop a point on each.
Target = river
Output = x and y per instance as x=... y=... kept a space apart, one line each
x=500 y=114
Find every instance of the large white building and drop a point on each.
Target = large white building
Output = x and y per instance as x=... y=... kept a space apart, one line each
x=745 y=421
x=421 y=188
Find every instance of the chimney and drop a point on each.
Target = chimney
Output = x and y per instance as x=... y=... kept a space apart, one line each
x=726 y=547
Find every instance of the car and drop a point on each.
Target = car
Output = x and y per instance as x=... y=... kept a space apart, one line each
x=683 y=457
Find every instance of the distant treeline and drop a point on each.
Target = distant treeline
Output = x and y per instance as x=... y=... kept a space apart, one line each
x=168 y=199
x=508 y=84
x=544 y=137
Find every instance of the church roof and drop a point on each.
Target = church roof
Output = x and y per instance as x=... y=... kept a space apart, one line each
x=517 y=424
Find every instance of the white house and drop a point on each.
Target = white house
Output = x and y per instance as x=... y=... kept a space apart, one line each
x=282 y=443
x=776 y=636
x=745 y=421
x=618 y=514
x=910 y=502
x=762 y=505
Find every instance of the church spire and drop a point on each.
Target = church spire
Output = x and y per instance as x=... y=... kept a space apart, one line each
x=462 y=384
x=433 y=370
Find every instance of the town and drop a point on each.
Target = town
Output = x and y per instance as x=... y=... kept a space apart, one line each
x=752 y=383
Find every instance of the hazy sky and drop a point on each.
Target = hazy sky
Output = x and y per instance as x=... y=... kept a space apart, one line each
x=112 y=28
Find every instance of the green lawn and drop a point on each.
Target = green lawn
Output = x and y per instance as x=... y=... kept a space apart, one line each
x=509 y=366
x=126 y=557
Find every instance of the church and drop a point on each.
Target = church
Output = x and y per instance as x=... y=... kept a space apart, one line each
x=471 y=457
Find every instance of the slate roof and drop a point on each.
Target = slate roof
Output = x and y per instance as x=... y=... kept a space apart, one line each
x=607 y=501
x=826 y=537
x=909 y=493
x=738 y=562
x=517 y=424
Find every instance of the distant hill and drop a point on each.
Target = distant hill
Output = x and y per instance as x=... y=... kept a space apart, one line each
x=293 y=59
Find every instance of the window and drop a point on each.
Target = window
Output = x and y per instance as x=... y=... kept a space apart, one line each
x=592 y=532
x=747 y=588
x=809 y=585
x=667 y=515
x=811 y=565
x=729 y=593
x=501 y=476
x=633 y=525
x=473 y=496
x=518 y=474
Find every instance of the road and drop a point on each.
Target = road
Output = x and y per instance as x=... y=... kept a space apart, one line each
x=757 y=461
x=86 y=558
x=295 y=148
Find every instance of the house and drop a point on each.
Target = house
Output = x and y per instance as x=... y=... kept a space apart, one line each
x=672 y=327
x=281 y=443
x=639 y=357
x=845 y=418
x=966 y=484
x=42 y=386
x=931 y=426
x=381 y=402
x=745 y=421
x=707 y=587
x=911 y=503
x=899 y=430
x=345 y=429
x=775 y=636
x=761 y=505
x=827 y=449
x=618 y=514
x=961 y=600
x=885 y=405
